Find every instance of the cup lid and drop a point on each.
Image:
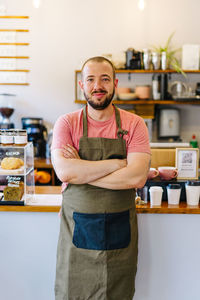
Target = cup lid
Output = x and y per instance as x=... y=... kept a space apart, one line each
x=193 y=183
x=174 y=186
x=155 y=188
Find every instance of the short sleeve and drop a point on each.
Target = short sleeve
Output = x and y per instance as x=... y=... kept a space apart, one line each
x=139 y=138
x=61 y=133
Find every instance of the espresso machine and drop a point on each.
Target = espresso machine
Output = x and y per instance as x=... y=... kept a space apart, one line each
x=37 y=133
x=133 y=59
x=6 y=110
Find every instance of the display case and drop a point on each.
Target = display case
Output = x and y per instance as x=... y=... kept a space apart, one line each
x=17 y=186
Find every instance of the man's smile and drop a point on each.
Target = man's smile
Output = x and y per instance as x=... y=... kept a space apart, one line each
x=99 y=94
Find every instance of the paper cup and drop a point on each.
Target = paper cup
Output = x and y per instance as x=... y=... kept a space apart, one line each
x=192 y=195
x=155 y=195
x=173 y=194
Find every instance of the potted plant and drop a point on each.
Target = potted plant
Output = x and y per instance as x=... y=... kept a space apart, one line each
x=169 y=54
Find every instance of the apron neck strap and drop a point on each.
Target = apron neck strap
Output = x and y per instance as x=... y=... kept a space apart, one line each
x=85 y=127
x=120 y=131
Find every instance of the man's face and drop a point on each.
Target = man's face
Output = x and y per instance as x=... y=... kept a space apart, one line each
x=98 y=84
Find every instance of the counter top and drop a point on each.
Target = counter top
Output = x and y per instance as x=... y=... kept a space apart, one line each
x=182 y=208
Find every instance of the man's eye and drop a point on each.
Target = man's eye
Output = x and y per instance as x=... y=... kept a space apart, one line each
x=90 y=79
x=105 y=79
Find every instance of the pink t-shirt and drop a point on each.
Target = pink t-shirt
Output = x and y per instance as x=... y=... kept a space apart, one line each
x=68 y=129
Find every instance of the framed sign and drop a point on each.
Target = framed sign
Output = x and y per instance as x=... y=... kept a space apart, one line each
x=187 y=163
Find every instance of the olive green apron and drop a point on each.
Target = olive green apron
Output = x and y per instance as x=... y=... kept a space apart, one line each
x=97 y=247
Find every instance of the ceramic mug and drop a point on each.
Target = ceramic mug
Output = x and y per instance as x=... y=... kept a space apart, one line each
x=153 y=173
x=167 y=173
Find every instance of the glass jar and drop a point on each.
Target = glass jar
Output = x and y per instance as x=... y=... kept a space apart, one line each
x=20 y=137
x=7 y=137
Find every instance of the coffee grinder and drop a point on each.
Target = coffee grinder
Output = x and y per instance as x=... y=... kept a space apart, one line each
x=37 y=133
x=6 y=110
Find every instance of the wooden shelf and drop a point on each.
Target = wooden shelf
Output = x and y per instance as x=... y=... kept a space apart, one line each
x=16 y=44
x=144 y=102
x=14 y=17
x=150 y=71
x=14 y=83
x=165 y=102
x=17 y=57
x=15 y=30
x=14 y=70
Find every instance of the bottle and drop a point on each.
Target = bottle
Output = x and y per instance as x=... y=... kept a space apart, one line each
x=156 y=86
x=155 y=58
x=164 y=60
x=146 y=59
x=193 y=142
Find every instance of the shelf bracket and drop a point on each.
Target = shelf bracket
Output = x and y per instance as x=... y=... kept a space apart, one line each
x=129 y=76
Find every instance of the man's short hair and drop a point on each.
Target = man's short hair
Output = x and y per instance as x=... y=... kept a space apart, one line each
x=99 y=59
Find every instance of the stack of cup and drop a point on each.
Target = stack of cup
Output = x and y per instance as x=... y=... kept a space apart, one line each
x=173 y=193
x=155 y=195
x=192 y=192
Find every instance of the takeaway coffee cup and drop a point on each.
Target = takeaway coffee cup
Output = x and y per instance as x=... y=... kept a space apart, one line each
x=192 y=192
x=173 y=193
x=155 y=195
x=167 y=173
x=153 y=173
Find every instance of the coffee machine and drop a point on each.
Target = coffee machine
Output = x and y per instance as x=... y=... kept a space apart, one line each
x=37 y=133
x=133 y=59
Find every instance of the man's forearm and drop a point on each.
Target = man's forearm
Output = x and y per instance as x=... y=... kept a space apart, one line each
x=119 y=180
x=79 y=171
x=131 y=176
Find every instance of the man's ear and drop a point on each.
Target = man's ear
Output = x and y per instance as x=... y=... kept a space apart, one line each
x=116 y=82
x=80 y=84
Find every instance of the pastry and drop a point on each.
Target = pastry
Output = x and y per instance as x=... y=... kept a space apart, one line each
x=42 y=177
x=13 y=192
x=11 y=163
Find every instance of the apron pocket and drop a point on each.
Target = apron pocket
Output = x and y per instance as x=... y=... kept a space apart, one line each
x=118 y=232
x=101 y=231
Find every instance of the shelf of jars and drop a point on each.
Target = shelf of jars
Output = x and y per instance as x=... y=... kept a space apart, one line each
x=148 y=102
x=187 y=101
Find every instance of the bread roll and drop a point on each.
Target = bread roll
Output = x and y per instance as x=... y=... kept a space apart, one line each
x=11 y=163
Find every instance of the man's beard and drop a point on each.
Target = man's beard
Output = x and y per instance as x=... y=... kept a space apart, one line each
x=100 y=105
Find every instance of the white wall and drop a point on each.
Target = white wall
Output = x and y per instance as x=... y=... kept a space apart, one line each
x=64 y=33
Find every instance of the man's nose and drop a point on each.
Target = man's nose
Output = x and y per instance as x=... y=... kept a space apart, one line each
x=97 y=84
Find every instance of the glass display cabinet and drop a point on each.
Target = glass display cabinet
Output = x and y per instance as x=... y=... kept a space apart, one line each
x=17 y=185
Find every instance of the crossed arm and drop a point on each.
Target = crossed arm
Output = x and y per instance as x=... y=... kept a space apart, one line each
x=110 y=173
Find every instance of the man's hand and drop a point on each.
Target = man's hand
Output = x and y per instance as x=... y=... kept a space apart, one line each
x=70 y=152
x=133 y=175
x=69 y=167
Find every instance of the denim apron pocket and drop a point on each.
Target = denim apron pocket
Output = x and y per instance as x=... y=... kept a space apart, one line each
x=101 y=231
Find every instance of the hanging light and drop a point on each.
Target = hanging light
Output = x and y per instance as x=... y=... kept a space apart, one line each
x=141 y=4
x=36 y=3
